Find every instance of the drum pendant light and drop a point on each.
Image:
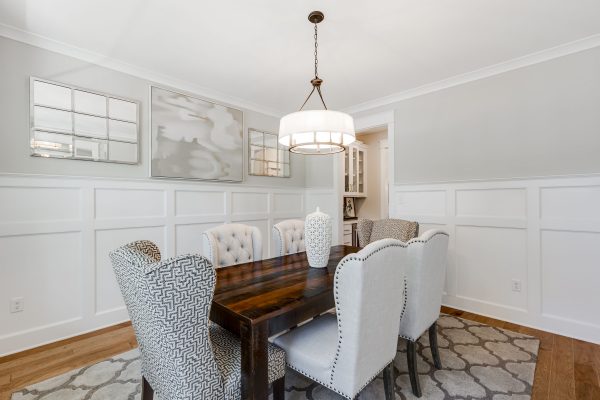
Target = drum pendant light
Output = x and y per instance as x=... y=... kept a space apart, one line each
x=316 y=131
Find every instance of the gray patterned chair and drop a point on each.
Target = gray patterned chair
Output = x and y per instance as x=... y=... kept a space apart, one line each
x=370 y=231
x=346 y=352
x=425 y=262
x=183 y=355
x=288 y=236
x=232 y=244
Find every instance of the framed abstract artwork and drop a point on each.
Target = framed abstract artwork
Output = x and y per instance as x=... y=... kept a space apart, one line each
x=192 y=138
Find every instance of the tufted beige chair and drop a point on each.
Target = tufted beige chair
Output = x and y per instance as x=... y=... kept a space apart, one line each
x=288 y=237
x=232 y=244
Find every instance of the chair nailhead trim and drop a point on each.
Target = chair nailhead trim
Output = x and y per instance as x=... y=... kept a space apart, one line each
x=339 y=310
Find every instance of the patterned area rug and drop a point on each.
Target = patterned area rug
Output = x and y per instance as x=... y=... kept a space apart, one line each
x=480 y=362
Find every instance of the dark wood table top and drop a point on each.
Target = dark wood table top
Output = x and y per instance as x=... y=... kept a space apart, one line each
x=261 y=298
x=268 y=289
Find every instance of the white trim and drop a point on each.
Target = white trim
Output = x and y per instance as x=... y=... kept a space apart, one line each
x=562 y=50
x=563 y=205
x=40 y=41
x=385 y=118
x=384 y=198
x=79 y=53
x=147 y=206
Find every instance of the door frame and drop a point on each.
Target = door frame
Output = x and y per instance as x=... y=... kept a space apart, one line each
x=385 y=118
x=384 y=147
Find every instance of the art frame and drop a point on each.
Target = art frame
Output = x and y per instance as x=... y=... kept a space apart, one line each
x=266 y=165
x=349 y=208
x=77 y=142
x=179 y=109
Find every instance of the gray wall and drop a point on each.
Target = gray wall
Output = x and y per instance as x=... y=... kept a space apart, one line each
x=535 y=121
x=19 y=61
x=319 y=171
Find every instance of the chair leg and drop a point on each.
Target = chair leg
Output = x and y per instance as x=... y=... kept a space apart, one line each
x=147 y=391
x=279 y=389
x=411 y=357
x=433 y=344
x=389 y=382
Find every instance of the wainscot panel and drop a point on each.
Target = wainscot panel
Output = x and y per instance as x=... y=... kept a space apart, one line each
x=521 y=250
x=56 y=233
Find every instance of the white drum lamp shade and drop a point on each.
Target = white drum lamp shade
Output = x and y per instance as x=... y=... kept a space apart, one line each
x=316 y=131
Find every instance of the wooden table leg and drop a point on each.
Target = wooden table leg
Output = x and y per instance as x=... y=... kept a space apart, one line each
x=255 y=379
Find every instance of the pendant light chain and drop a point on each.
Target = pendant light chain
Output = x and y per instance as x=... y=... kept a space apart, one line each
x=316 y=81
x=316 y=51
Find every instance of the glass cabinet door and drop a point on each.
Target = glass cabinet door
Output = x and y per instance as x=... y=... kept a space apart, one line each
x=347 y=171
x=360 y=172
x=354 y=187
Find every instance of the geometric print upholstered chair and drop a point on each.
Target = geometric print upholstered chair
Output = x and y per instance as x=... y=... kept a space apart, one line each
x=370 y=231
x=288 y=236
x=184 y=356
x=232 y=244
x=425 y=262
x=345 y=352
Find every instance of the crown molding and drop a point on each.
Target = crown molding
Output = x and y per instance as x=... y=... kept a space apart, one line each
x=46 y=43
x=485 y=72
x=43 y=42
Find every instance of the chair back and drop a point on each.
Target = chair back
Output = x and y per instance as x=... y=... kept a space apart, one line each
x=169 y=303
x=368 y=308
x=232 y=244
x=288 y=237
x=370 y=231
x=425 y=262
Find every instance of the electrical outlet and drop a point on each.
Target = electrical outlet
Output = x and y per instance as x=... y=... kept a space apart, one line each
x=516 y=285
x=17 y=304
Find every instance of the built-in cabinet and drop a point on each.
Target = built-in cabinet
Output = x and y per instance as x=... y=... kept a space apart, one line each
x=350 y=236
x=355 y=170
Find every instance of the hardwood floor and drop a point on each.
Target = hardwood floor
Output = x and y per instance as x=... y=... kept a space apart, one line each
x=567 y=369
x=22 y=369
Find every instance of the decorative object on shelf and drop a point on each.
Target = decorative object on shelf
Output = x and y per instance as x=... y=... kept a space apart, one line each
x=316 y=131
x=317 y=238
x=194 y=138
x=267 y=157
x=75 y=123
x=349 y=211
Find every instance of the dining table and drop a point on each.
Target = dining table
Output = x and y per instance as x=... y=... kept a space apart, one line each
x=259 y=299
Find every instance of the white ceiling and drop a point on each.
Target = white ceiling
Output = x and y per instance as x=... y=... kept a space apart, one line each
x=261 y=50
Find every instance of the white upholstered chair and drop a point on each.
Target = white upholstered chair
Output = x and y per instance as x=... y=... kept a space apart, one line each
x=232 y=244
x=345 y=352
x=288 y=237
x=183 y=355
x=425 y=261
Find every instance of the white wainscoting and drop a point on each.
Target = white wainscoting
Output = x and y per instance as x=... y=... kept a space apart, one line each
x=56 y=232
x=544 y=233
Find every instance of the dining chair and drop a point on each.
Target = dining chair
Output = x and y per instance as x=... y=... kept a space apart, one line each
x=425 y=261
x=370 y=231
x=232 y=244
x=288 y=236
x=183 y=355
x=345 y=352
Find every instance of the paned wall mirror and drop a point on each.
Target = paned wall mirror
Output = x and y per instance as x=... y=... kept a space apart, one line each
x=76 y=123
x=267 y=156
